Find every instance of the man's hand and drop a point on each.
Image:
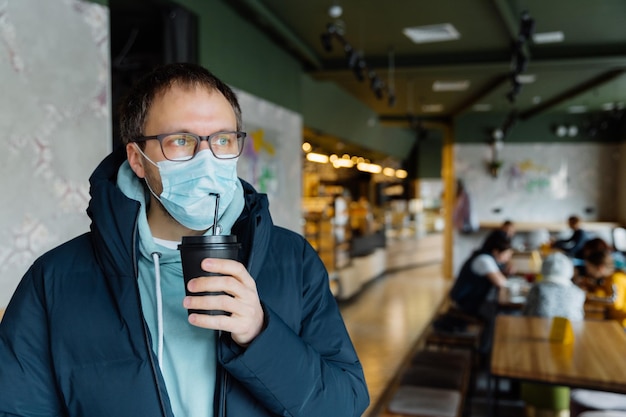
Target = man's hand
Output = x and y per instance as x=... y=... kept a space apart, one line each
x=241 y=300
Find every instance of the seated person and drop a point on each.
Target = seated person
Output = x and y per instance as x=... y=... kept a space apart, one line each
x=556 y=294
x=596 y=245
x=507 y=228
x=480 y=273
x=574 y=244
x=605 y=285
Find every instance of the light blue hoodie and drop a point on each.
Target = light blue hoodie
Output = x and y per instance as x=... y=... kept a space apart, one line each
x=186 y=353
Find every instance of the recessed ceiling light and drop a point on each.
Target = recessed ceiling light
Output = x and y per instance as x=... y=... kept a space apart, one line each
x=451 y=85
x=481 y=107
x=432 y=33
x=432 y=108
x=577 y=109
x=525 y=78
x=548 y=37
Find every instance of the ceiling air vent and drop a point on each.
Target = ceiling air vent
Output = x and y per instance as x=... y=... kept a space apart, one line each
x=460 y=85
x=432 y=33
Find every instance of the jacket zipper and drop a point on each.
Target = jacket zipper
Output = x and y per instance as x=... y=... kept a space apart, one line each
x=223 y=396
x=144 y=325
x=223 y=378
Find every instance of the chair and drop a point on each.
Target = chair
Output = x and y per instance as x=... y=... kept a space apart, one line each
x=544 y=399
x=454 y=329
x=425 y=402
x=468 y=338
x=582 y=400
x=619 y=239
x=433 y=376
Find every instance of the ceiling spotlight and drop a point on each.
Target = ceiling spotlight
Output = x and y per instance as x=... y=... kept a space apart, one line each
x=560 y=131
x=378 y=92
x=347 y=48
x=327 y=41
x=511 y=96
x=497 y=134
x=353 y=58
x=376 y=82
x=520 y=61
x=335 y=11
x=563 y=130
x=359 y=70
x=516 y=87
x=527 y=27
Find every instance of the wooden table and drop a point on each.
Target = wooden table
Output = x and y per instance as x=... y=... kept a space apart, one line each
x=596 y=359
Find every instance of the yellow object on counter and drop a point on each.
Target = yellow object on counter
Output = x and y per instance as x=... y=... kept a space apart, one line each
x=561 y=331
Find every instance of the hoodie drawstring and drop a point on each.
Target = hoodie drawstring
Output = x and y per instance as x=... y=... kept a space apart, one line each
x=159 y=303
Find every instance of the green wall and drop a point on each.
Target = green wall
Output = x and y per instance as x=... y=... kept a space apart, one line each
x=429 y=157
x=243 y=57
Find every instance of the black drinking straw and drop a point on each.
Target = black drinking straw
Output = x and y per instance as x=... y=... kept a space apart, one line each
x=217 y=205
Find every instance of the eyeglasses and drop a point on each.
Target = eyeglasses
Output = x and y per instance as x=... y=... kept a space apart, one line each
x=184 y=146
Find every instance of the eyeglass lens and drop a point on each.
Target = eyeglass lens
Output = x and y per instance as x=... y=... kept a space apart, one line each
x=183 y=146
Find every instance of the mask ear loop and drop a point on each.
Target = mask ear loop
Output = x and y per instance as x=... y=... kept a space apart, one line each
x=146 y=178
x=144 y=155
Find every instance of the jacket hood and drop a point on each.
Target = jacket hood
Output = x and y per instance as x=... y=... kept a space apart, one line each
x=113 y=217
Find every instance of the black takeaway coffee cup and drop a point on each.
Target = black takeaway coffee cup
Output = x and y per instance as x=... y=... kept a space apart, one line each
x=193 y=249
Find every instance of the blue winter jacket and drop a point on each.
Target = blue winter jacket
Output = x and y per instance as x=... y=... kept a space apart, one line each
x=73 y=341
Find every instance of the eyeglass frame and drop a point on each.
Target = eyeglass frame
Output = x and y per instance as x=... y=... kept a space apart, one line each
x=199 y=139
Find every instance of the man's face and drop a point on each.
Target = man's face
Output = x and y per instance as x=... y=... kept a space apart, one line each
x=181 y=109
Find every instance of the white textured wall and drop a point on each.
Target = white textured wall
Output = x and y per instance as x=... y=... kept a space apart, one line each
x=540 y=182
x=271 y=160
x=55 y=124
x=543 y=181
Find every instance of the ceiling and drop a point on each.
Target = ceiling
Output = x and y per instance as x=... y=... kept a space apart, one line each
x=586 y=69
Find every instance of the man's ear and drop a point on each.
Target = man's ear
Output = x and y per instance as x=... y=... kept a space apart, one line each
x=135 y=160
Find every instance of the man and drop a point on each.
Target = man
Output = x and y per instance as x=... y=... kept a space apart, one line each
x=99 y=326
x=572 y=246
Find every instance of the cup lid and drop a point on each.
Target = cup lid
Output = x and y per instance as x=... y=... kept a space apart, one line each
x=208 y=239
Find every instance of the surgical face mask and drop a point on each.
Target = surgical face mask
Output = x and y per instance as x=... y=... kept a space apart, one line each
x=189 y=188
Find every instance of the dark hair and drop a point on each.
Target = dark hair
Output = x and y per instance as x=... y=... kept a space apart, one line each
x=598 y=258
x=137 y=102
x=498 y=241
x=594 y=245
x=573 y=220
